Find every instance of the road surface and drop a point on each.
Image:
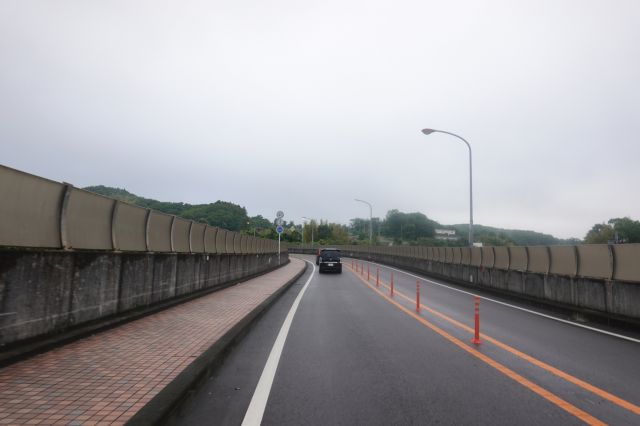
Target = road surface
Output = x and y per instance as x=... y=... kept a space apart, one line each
x=355 y=355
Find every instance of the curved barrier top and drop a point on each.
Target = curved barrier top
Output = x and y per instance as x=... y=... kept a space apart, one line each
x=40 y=213
x=600 y=261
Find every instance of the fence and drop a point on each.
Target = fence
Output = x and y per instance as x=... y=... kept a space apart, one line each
x=40 y=213
x=620 y=262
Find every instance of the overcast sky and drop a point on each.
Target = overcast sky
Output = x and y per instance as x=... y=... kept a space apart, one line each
x=305 y=105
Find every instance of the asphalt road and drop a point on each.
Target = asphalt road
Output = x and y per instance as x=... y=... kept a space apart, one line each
x=354 y=355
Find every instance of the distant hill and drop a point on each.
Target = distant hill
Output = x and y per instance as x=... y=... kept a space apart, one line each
x=221 y=213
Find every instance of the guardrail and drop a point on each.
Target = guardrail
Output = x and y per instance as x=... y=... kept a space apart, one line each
x=41 y=213
x=74 y=261
x=600 y=279
x=620 y=262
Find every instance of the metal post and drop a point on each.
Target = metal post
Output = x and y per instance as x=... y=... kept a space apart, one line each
x=370 y=224
x=278 y=248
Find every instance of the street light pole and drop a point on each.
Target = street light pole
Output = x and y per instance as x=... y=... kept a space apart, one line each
x=428 y=132
x=370 y=220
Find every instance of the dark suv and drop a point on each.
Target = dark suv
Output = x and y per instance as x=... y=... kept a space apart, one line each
x=329 y=260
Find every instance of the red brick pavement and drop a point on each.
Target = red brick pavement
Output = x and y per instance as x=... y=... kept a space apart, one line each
x=108 y=377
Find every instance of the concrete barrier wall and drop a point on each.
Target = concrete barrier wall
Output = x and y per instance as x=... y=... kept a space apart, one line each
x=39 y=213
x=501 y=260
x=457 y=255
x=30 y=210
x=180 y=235
x=518 y=258
x=99 y=258
x=627 y=262
x=197 y=233
x=88 y=220
x=594 y=279
x=594 y=261
x=47 y=292
x=210 y=237
x=221 y=241
x=538 y=259
x=488 y=257
x=564 y=260
x=476 y=256
x=130 y=223
x=159 y=232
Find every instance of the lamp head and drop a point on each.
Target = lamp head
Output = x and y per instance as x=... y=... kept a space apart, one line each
x=428 y=131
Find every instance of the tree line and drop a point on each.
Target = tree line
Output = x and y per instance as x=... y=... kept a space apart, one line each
x=615 y=231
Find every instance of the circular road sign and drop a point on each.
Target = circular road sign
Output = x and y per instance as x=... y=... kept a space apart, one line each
x=280 y=213
x=279 y=229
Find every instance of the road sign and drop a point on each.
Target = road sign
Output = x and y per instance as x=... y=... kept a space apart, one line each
x=280 y=214
x=279 y=229
x=279 y=221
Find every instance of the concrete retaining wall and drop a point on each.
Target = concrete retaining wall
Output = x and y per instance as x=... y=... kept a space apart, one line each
x=44 y=293
x=595 y=279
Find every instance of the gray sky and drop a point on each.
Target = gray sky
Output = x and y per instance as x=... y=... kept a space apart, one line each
x=305 y=105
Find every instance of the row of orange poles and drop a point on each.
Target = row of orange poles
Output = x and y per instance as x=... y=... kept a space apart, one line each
x=476 y=335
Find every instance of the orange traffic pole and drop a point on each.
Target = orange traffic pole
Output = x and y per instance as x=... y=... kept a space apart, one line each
x=377 y=277
x=391 y=283
x=367 y=272
x=476 y=335
x=418 y=296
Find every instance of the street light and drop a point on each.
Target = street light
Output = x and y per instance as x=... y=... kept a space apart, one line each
x=370 y=220
x=310 y=223
x=428 y=132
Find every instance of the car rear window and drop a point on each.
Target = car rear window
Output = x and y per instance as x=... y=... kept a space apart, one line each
x=330 y=254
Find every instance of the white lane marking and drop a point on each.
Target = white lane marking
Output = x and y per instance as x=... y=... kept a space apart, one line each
x=620 y=336
x=253 y=416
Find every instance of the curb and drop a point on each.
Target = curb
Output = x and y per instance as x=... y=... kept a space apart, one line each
x=168 y=398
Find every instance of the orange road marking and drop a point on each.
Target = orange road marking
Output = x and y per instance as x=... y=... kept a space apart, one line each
x=541 y=364
x=549 y=396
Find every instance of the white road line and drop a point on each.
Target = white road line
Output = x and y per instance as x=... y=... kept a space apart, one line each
x=620 y=336
x=253 y=416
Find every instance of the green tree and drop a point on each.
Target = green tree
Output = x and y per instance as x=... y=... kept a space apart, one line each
x=407 y=226
x=600 y=233
x=339 y=234
x=324 y=231
x=221 y=213
x=310 y=230
x=625 y=230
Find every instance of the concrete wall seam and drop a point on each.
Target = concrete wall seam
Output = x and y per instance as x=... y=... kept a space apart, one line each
x=64 y=237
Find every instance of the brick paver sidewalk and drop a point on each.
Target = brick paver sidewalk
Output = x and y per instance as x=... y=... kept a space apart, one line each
x=110 y=376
